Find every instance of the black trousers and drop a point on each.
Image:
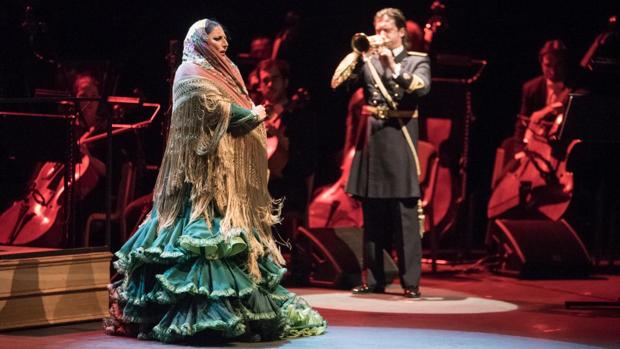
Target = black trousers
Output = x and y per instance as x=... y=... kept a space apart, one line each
x=392 y=223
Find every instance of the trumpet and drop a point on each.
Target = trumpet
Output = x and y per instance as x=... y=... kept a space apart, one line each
x=362 y=43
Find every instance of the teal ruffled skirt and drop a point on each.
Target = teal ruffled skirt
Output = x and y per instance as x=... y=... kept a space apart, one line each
x=189 y=282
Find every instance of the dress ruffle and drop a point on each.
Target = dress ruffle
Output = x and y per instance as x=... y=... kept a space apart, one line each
x=188 y=280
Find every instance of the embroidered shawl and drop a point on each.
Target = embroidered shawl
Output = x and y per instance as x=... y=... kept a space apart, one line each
x=223 y=174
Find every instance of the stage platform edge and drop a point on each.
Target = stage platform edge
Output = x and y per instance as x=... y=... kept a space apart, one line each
x=42 y=286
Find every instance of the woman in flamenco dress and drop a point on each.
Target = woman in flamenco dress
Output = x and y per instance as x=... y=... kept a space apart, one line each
x=203 y=265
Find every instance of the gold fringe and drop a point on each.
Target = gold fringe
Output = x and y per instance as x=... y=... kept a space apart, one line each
x=223 y=175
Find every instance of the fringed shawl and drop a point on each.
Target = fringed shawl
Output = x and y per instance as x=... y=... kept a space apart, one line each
x=222 y=174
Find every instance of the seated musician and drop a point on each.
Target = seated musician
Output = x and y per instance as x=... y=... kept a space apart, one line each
x=260 y=49
x=530 y=172
x=544 y=97
x=86 y=86
x=89 y=122
x=92 y=121
x=291 y=143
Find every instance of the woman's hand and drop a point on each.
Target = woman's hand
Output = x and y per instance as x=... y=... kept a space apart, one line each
x=259 y=112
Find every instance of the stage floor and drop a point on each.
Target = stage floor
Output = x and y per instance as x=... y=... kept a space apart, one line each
x=457 y=310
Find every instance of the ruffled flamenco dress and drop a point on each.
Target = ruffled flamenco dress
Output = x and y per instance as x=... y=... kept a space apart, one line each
x=203 y=265
x=187 y=282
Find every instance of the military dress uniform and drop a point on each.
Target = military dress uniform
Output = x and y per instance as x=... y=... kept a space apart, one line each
x=384 y=174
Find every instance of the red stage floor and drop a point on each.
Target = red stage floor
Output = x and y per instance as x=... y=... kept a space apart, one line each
x=479 y=310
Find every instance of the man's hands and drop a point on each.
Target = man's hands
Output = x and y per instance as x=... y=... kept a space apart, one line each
x=553 y=108
x=386 y=57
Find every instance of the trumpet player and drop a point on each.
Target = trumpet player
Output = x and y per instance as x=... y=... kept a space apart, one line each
x=385 y=168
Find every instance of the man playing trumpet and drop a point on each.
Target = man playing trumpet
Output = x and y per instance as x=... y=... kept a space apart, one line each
x=385 y=168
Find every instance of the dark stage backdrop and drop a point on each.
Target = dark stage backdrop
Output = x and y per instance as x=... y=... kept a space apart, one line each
x=133 y=37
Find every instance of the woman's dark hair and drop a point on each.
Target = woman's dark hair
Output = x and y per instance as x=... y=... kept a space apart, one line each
x=211 y=24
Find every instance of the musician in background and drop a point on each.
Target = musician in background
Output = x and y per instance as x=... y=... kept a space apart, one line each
x=384 y=172
x=291 y=142
x=260 y=49
x=418 y=39
x=86 y=86
x=92 y=121
x=544 y=97
x=530 y=171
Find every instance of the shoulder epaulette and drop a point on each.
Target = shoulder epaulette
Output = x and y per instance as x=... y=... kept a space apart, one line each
x=417 y=53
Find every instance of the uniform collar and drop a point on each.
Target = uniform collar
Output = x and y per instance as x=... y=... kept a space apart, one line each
x=398 y=50
x=399 y=54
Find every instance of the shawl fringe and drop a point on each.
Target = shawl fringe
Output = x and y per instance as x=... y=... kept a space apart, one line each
x=222 y=174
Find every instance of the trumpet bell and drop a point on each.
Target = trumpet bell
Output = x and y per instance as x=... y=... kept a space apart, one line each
x=362 y=43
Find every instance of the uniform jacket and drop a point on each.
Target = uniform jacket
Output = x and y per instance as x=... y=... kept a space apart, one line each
x=383 y=166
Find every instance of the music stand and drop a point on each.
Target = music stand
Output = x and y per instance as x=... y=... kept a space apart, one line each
x=591 y=118
x=43 y=133
x=457 y=74
x=70 y=151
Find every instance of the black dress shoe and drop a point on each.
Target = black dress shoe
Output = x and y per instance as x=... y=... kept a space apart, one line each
x=364 y=289
x=412 y=292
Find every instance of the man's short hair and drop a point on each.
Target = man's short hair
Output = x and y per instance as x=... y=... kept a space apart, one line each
x=399 y=19
x=555 y=48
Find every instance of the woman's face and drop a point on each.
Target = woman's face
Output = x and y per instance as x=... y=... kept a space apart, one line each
x=85 y=87
x=217 y=40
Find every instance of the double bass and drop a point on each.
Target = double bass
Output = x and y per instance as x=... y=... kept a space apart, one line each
x=332 y=206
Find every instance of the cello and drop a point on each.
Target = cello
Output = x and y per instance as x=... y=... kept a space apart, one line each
x=36 y=219
x=535 y=180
